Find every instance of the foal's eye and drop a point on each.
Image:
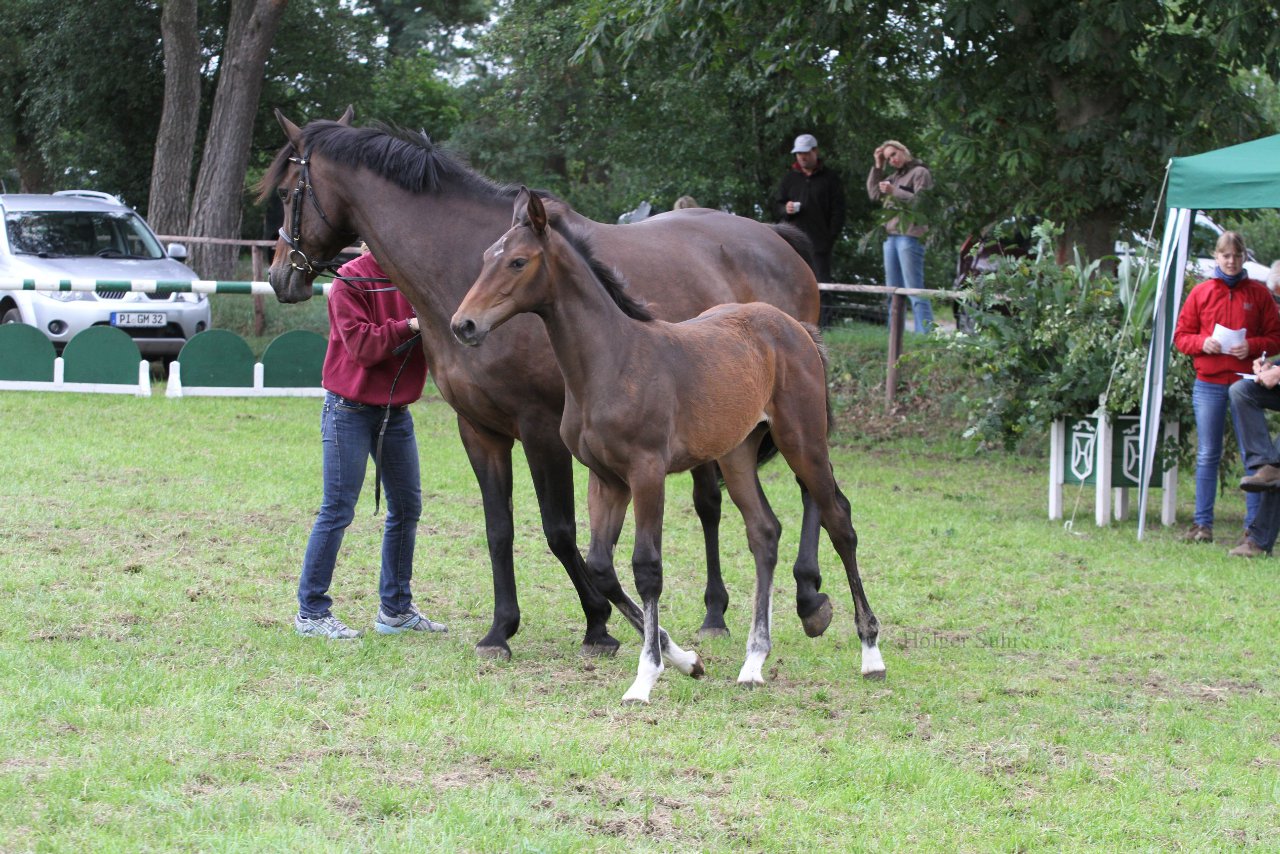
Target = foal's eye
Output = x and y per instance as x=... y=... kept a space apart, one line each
x=518 y=263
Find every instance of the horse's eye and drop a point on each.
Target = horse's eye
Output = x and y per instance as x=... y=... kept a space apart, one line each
x=518 y=263
x=283 y=194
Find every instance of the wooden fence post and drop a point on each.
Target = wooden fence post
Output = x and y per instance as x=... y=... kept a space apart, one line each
x=895 y=348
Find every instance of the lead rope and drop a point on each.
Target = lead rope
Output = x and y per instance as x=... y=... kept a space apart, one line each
x=386 y=419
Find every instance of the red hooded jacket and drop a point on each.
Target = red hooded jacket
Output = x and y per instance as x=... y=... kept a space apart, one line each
x=365 y=327
x=1247 y=306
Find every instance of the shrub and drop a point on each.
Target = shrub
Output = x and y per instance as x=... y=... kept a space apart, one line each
x=1058 y=340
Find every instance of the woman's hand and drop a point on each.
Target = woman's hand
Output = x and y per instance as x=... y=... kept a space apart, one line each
x=879 y=156
x=413 y=324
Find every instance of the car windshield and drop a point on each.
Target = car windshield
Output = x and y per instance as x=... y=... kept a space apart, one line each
x=74 y=234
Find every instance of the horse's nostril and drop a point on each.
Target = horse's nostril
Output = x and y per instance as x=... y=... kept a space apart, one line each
x=465 y=331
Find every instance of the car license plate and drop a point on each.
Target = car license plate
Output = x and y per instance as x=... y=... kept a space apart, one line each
x=138 y=318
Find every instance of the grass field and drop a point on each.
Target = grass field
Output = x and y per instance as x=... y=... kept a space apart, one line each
x=1047 y=688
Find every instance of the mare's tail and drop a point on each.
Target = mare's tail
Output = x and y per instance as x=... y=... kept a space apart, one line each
x=797 y=239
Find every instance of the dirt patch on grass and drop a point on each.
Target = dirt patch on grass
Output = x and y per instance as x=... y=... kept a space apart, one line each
x=1156 y=685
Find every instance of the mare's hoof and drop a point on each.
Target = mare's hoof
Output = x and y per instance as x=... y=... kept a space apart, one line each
x=712 y=632
x=751 y=684
x=606 y=647
x=501 y=653
x=634 y=701
x=874 y=676
x=816 y=622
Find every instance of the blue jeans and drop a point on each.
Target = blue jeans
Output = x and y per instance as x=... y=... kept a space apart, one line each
x=904 y=268
x=1249 y=404
x=349 y=436
x=1210 y=402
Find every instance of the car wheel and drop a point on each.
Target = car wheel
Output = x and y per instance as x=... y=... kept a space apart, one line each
x=11 y=316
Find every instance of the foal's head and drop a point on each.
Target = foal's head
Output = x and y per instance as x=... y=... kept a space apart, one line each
x=517 y=274
x=513 y=278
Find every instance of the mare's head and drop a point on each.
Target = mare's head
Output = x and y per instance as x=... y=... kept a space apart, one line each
x=514 y=276
x=315 y=227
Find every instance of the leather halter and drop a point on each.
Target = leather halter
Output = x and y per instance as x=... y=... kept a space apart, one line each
x=298 y=259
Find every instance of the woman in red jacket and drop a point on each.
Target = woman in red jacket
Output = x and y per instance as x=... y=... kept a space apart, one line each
x=1229 y=302
x=368 y=389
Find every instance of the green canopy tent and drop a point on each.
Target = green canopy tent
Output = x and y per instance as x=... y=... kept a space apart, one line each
x=1237 y=177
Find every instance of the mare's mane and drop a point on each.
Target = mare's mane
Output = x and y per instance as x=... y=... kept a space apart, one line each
x=408 y=159
x=614 y=285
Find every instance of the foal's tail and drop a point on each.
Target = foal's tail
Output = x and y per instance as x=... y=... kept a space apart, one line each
x=768 y=450
x=816 y=334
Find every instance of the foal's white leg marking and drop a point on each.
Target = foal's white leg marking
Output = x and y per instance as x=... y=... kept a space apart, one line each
x=872 y=663
x=759 y=641
x=646 y=676
x=681 y=659
x=650 y=667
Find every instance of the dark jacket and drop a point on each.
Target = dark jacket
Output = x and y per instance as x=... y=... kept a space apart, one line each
x=821 y=198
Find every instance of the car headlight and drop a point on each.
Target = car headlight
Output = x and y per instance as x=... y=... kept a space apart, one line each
x=65 y=296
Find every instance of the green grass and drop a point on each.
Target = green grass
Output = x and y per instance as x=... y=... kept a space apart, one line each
x=1047 y=688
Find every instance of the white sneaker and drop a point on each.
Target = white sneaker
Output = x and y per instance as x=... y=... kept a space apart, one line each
x=412 y=620
x=327 y=626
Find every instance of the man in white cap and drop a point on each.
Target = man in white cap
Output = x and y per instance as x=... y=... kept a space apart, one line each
x=811 y=197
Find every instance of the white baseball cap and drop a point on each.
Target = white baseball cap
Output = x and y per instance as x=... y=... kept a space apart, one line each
x=804 y=142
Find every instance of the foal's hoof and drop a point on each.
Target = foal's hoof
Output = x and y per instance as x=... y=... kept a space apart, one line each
x=874 y=676
x=711 y=631
x=634 y=701
x=500 y=653
x=816 y=622
x=698 y=670
x=605 y=647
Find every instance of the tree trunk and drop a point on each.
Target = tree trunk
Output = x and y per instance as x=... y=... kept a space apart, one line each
x=219 y=193
x=169 y=205
x=33 y=172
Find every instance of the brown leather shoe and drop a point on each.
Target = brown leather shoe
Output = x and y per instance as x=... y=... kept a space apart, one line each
x=1248 y=549
x=1198 y=534
x=1265 y=479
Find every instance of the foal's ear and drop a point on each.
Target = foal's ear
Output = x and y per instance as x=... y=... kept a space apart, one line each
x=529 y=210
x=347 y=117
x=290 y=130
x=537 y=214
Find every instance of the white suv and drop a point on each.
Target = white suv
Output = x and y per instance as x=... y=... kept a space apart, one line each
x=80 y=234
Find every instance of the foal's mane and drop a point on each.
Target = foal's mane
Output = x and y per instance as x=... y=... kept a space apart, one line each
x=614 y=285
x=408 y=159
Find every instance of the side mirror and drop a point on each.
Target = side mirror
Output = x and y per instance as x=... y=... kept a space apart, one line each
x=176 y=251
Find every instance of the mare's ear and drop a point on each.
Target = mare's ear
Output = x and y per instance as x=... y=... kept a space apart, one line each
x=290 y=130
x=347 y=117
x=537 y=214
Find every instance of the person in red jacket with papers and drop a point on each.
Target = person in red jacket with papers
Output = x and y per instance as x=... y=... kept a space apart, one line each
x=368 y=389
x=1226 y=322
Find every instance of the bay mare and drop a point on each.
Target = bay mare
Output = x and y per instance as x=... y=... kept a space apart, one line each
x=713 y=386
x=428 y=218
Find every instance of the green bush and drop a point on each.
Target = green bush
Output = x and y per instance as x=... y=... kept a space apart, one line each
x=1057 y=340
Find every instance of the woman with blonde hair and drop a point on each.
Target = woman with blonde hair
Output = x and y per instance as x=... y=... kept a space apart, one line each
x=903 y=251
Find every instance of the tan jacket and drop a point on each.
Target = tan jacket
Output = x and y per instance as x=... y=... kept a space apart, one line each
x=910 y=180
